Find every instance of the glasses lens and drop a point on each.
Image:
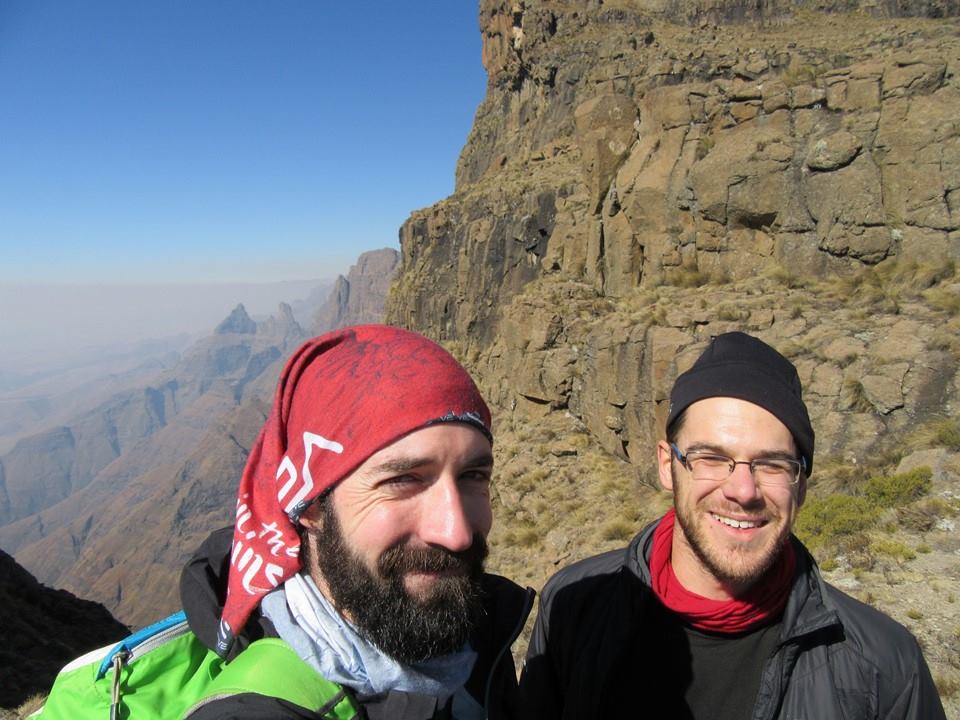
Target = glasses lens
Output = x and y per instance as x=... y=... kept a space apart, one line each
x=775 y=472
x=708 y=467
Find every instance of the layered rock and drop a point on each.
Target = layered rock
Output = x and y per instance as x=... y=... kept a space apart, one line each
x=361 y=296
x=618 y=153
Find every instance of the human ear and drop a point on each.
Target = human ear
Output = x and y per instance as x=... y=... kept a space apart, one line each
x=664 y=466
x=311 y=518
x=801 y=489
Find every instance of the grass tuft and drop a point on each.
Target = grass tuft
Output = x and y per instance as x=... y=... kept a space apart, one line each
x=619 y=530
x=939 y=433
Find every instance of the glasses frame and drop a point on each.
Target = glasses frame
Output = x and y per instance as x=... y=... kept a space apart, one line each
x=801 y=465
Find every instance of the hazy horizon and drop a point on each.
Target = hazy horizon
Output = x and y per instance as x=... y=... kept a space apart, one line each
x=167 y=157
x=60 y=324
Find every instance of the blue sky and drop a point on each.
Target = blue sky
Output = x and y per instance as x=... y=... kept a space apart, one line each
x=199 y=141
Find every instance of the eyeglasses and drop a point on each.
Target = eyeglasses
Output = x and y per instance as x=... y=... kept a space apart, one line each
x=712 y=467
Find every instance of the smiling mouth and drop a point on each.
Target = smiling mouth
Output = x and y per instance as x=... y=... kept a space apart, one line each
x=738 y=524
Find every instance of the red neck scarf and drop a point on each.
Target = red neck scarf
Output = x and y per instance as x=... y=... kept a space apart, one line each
x=761 y=603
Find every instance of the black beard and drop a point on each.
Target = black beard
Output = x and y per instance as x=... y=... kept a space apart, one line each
x=409 y=629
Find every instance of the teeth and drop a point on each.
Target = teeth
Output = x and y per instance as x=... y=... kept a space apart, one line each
x=739 y=524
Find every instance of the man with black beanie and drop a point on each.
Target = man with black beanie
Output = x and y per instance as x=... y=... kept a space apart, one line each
x=716 y=611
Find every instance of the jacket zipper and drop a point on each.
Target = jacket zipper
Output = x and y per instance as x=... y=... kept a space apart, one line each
x=518 y=628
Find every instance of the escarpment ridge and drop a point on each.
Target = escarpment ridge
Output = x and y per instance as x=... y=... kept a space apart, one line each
x=643 y=176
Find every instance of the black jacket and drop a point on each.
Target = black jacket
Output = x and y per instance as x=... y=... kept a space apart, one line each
x=492 y=684
x=836 y=658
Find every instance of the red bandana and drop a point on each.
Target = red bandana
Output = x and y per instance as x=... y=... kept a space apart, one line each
x=763 y=602
x=341 y=397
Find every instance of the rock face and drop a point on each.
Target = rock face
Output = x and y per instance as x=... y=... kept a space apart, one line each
x=237 y=322
x=43 y=630
x=622 y=153
x=643 y=176
x=361 y=296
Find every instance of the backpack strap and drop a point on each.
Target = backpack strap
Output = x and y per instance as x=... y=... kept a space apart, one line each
x=271 y=667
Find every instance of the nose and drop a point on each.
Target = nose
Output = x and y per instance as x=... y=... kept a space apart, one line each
x=444 y=520
x=740 y=487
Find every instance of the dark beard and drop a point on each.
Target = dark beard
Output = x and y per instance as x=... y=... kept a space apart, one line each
x=409 y=629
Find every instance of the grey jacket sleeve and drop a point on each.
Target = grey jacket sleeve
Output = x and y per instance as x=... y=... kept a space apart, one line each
x=919 y=698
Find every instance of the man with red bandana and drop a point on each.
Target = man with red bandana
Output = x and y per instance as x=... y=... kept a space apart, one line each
x=359 y=540
x=716 y=611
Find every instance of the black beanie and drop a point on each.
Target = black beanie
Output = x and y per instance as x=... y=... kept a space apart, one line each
x=738 y=365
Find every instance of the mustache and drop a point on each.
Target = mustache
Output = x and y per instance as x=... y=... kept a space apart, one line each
x=398 y=559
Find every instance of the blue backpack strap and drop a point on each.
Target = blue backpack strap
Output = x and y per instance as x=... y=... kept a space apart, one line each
x=135 y=640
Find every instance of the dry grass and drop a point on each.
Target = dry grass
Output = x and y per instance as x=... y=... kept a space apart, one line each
x=922 y=516
x=31 y=705
x=778 y=277
x=948 y=684
x=695 y=277
x=943 y=299
x=884 y=287
x=856 y=396
x=943 y=433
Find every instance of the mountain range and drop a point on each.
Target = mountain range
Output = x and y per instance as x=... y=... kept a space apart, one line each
x=640 y=177
x=110 y=504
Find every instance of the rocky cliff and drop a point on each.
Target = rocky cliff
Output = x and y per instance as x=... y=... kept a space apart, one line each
x=644 y=175
x=43 y=630
x=633 y=185
x=359 y=297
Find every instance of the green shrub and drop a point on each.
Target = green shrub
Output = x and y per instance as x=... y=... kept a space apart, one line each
x=892 y=491
x=822 y=519
x=893 y=548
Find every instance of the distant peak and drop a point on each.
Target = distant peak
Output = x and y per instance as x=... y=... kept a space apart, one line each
x=237 y=322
